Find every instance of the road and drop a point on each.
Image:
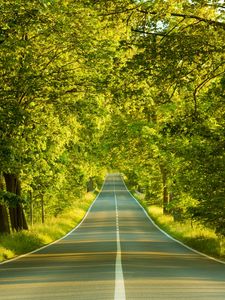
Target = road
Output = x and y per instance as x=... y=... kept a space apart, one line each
x=116 y=254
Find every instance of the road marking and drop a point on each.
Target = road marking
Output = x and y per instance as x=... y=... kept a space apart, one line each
x=119 y=280
x=169 y=236
x=56 y=241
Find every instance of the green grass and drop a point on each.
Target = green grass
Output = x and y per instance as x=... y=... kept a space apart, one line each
x=192 y=234
x=41 y=234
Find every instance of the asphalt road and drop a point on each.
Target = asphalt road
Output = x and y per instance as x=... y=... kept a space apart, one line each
x=116 y=253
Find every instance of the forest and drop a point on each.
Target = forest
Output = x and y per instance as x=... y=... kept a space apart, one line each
x=90 y=86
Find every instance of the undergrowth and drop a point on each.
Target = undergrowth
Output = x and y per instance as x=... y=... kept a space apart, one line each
x=39 y=235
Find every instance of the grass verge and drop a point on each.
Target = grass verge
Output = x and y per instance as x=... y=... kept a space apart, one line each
x=192 y=234
x=42 y=234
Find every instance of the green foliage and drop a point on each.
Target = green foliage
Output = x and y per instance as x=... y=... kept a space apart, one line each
x=6 y=253
x=21 y=242
x=136 y=86
x=194 y=235
x=10 y=199
x=180 y=208
x=40 y=235
x=168 y=110
x=53 y=61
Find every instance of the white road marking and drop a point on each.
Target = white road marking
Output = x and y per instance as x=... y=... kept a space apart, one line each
x=119 y=280
x=48 y=245
x=169 y=236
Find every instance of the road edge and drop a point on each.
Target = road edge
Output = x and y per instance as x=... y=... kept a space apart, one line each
x=56 y=241
x=169 y=236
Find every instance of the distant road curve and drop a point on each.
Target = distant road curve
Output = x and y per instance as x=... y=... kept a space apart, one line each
x=116 y=253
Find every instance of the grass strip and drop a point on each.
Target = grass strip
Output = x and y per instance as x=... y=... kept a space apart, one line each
x=40 y=235
x=190 y=233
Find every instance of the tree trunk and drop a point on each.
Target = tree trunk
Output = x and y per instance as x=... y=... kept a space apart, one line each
x=165 y=189
x=31 y=209
x=13 y=218
x=4 y=219
x=17 y=216
x=90 y=185
x=42 y=210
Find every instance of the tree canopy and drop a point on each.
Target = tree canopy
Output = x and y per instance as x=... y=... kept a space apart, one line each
x=87 y=86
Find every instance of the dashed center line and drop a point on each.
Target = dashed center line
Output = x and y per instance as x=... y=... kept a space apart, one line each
x=119 y=280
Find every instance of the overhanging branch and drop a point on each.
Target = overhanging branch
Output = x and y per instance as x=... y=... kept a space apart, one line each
x=189 y=16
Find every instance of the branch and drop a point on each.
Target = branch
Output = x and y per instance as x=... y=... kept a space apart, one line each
x=173 y=92
x=211 y=22
x=120 y=11
x=190 y=25
x=76 y=90
x=186 y=16
x=203 y=83
x=182 y=15
x=171 y=30
x=216 y=5
x=150 y=33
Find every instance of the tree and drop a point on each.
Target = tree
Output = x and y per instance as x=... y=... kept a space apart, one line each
x=167 y=85
x=55 y=64
x=4 y=221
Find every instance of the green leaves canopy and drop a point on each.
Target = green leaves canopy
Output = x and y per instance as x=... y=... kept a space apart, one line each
x=132 y=85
